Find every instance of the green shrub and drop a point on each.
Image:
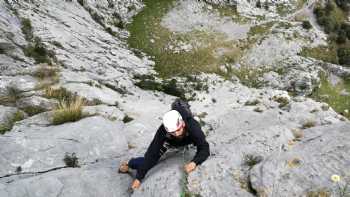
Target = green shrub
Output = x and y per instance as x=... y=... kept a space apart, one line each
x=32 y=110
x=343 y=4
x=38 y=52
x=27 y=30
x=341 y=38
x=344 y=55
x=81 y=2
x=127 y=119
x=306 y=25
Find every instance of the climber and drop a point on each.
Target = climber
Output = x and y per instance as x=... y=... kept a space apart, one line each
x=178 y=129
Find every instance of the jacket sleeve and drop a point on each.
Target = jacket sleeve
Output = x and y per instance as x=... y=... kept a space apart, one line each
x=152 y=154
x=199 y=141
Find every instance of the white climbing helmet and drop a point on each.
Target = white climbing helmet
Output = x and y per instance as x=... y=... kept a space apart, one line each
x=172 y=121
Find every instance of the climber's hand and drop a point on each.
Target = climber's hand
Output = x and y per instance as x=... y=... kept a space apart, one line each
x=135 y=184
x=190 y=167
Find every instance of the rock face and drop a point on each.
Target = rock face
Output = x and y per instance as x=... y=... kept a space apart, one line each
x=36 y=148
x=263 y=141
x=99 y=179
x=308 y=166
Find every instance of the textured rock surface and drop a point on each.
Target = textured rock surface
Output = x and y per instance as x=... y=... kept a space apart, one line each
x=100 y=179
x=37 y=102
x=254 y=134
x=36 y=148
x=6 y=113
x=308 y=166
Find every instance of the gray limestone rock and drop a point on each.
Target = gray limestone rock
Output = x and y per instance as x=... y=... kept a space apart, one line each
x=39 y=148
x=98 y=179
x=109 y=112
x=38 y=102
x=308 y=166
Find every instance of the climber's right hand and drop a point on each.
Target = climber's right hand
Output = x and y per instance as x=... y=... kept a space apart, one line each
x=135 y=184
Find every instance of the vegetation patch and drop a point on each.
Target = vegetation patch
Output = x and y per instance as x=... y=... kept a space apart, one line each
x=283 y=101
x=252 y=102
x=251 y=160
x=71 y=160
x=32 y=110
x=148 y=82
x=35 y=48
x=306 y=25
x=58 y=93
x=325 y=53
x=27 y=29
x=68 y=111
x=308 y=124
x=323 y=192
x=7 y=126
x=161 y=45
x=332 y=17
x=260 y=30
x=248 y=76
x=334 y=95
x=127 y=119
x=11 y=96
x=283 y=9
x=295 y=162
x=38 y=52
x=46 y=71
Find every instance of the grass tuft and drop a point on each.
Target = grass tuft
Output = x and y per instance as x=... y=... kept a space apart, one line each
x=11 y=96
x=68 y=111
